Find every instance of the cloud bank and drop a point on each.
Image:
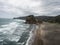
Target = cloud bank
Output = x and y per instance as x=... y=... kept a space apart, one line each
x=13 y=8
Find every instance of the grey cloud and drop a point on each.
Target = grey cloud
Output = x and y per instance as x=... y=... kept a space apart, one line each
x=47 y=7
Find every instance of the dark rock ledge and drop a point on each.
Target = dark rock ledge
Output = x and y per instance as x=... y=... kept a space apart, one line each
x=32 y=20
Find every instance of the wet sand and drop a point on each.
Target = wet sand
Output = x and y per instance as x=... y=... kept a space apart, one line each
x=46 y=34
x=38 y=39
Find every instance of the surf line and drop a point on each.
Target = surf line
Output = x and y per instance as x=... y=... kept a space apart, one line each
x=32 y=34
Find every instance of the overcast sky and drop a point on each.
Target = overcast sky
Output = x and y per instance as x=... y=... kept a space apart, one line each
x=15 y=8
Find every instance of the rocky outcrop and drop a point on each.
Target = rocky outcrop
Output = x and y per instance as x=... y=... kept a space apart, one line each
x=32 y=20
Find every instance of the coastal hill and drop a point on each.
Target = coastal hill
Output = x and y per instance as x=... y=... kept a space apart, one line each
x=38 y=17
x=51 y=19
x=43 y=18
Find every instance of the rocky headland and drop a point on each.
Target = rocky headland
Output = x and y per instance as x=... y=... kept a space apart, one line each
x=47 y=33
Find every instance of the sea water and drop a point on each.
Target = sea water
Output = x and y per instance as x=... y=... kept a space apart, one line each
x=14 y=32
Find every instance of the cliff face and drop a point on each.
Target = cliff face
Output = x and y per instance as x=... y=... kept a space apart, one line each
x=32 y=20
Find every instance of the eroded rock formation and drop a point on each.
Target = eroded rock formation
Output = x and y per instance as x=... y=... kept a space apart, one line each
x=32 y=20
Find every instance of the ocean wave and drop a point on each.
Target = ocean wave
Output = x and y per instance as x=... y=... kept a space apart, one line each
x=13 y=30
x=31 y=35
x=16 y=31
x=8 y=31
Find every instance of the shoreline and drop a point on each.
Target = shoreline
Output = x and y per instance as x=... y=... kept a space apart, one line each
x=45 y=34
x=31 y=36
x=38 y=36
x=35 y=36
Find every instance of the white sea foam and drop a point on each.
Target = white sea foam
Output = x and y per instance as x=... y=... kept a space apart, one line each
x=19 y=20
x=31 y=36
x=13 y=30
x=9 y=28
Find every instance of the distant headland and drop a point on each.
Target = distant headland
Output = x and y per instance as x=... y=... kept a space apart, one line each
x=51 y=19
